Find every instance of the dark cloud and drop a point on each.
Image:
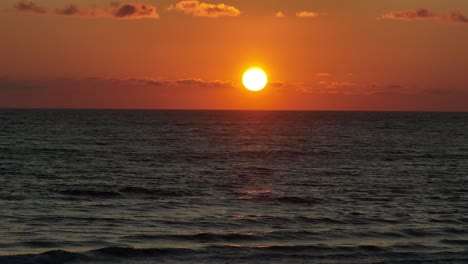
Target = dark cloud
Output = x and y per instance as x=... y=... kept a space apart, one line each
x=419 y=13
x=189 y=82
x=347 y=88
x=444 y=92
x=29 y=6
x=204 y=84
x=125 y=10
x=425 y=14
x=148 y=81
x=200 y=9
x=116 y=11
x=68 y=10
x=130 y=11
x=457 y=17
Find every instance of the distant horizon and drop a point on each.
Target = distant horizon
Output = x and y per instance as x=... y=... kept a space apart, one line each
x=236 y=110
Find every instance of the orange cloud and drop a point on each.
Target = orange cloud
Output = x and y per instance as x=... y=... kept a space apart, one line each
x=307 y=14
x=30 y=7
x=198 y=9
x=280 y=14
x=115 y=11
x=424 y=14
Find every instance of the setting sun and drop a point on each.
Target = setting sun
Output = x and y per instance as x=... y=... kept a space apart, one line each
x=255 y=79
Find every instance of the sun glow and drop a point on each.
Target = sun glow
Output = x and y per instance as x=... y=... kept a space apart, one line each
x=255 y=79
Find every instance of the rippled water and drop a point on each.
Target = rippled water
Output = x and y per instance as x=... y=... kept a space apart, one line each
x=233 y=187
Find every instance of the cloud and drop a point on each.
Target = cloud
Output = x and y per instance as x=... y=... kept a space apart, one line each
x=200 y=9
x=131 y=11
x=316 y=87
x=280 y=14
x=105 y=92
x=346 y=88
x=188 y=82
x=307 y=14
x=419 y=13
x=150 y=82
x=69 y=10
x=457 y=17
x=9 y=84
x=115 y=11
x=425 y=14
x=445 y=92
x=319 y=87
x=204 y=84
x=276 y=84
x=29 y=7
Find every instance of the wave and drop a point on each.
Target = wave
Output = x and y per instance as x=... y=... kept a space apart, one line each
x=90 y=193
x=202 y=237
x=49 y=257
x=104 y=255
x=126 y=191
x=269 y=196
x=268 y=236
x=460 y=242
x=158 y=192
x=129 y=252
x=245 y=254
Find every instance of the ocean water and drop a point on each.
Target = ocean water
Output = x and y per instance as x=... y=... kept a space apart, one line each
x=97 y=186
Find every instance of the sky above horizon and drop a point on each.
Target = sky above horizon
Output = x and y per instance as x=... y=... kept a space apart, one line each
x=318 y=54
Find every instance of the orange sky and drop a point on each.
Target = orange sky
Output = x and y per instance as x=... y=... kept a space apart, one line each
x=320 y=55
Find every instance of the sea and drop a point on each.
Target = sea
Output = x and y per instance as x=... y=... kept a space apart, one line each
x=154 y=186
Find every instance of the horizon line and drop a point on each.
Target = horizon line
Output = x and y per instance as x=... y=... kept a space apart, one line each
x=233 y=110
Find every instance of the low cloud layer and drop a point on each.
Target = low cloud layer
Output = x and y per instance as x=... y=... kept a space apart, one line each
x=425 y=14
x=9 y=84
x=193 y=93
x=188 y=82
x=115 y=11
x=320 y=86
x=204 y=84
x=200 y=9
x=354 y=88
x=333 y=87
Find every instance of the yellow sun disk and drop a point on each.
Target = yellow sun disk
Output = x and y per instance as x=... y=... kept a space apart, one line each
x=255 y=79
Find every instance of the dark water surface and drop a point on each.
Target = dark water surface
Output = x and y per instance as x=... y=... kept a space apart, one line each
x=233 y=187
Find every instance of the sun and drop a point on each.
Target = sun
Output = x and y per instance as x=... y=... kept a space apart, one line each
x=255 y=79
